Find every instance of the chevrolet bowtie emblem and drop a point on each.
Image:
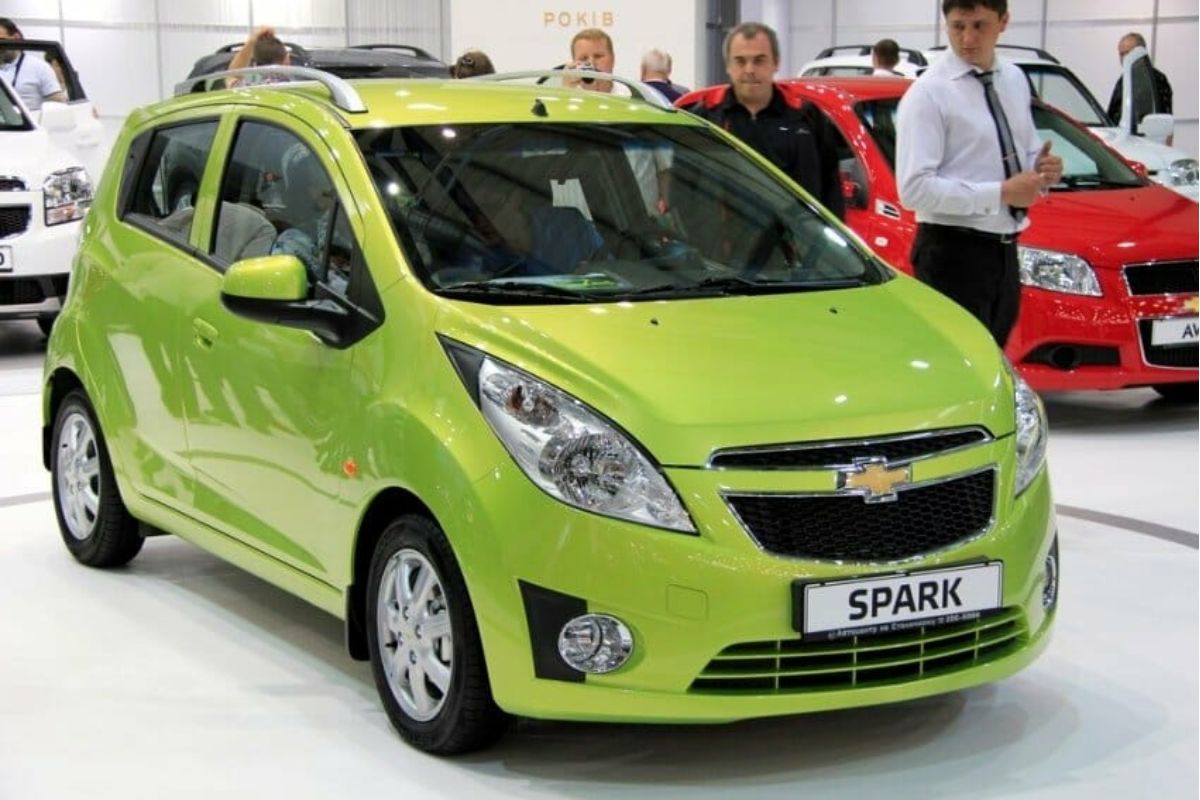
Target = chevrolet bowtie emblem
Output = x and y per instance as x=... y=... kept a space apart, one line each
x=874 y=480
x=1192 y=304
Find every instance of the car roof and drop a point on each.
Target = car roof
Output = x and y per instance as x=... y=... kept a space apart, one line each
x=430 y=101
x=853 y=89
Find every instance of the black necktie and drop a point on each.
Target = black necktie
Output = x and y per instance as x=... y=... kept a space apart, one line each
x=1008 y=150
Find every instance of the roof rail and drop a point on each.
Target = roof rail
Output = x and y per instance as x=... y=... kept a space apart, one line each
x=639 y=90
x=416 y=51
x=910 y=55
x=343 y=94
x=1039 y=52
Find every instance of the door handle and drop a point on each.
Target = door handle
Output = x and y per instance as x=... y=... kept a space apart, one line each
x=205 y=333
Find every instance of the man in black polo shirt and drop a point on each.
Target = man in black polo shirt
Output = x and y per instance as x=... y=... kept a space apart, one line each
x=793 y=135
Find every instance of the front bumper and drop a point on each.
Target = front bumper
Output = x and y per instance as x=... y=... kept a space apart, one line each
x=1103 y=332
x=33 y=281
x=689 y=598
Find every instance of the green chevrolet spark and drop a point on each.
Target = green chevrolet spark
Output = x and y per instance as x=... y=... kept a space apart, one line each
x=567 y=404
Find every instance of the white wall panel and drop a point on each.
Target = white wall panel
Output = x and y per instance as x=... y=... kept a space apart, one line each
x=1187 y=137
x=209 y=12
x=1177 y=8
x=51 y=32
x=1025 y=34
x=1177 y=59
x=117 y=67
x=290 y=14
x=876 y=14
x=1097 y=10
x=109 y=11
x=20 y=10
x=530 y=34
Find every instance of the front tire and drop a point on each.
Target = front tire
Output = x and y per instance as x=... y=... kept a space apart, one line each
x=426 y=655
x=94 y=523
x=1177 y=392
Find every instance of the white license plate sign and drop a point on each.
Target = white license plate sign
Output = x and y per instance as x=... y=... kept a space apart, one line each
x=891 y=603
x=1182 y=330
x=6 y=259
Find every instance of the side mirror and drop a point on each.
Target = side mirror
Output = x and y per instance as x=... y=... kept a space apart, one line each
x=854 y=192
x=57 y=117
x=1157 y=127
x=1140 y=169
x=274 y=290
x=280 y=279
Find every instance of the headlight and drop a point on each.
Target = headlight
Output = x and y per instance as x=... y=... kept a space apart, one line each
x=568 y=450
x=1183 y=172
x=1057 y=272
x=1031 y=432
x=67 y=195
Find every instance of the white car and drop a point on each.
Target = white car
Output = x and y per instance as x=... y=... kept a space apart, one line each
x=44 y=194
x=1058 y=86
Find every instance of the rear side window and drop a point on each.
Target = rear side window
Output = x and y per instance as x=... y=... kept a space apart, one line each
x=164 y=195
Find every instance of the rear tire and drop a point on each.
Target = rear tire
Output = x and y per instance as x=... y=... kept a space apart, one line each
x=1177 y=392
x=95 y=525
x=426 y=655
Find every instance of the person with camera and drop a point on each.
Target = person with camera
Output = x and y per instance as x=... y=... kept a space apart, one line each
x=591 y=49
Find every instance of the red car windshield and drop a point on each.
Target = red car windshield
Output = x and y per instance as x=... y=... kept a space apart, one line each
x=1087 y=163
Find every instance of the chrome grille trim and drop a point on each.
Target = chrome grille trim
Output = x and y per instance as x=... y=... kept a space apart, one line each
x=985 y=437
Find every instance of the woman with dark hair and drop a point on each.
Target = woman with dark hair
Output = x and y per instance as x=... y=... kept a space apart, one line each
x=472 y=63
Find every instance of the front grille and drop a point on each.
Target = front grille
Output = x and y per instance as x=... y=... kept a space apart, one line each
x=1180 y=356
x=1174 y=277
x=21 y=291
x=8 y=184
x=837 y=453
x=846 y=528
x=13 y=220
x=793 y=666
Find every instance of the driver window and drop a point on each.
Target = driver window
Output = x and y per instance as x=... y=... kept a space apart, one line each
x=276 y=199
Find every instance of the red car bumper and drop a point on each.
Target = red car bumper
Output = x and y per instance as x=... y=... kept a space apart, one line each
x=1067 y=342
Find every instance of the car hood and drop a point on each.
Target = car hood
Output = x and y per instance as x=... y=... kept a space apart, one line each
x=31 y=156
x=686 y=377
x=1123 y=226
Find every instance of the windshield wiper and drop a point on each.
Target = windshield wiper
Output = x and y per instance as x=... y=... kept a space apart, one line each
x=735 y=285
x=515 y=289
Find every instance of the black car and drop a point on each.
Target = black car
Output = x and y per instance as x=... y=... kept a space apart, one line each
x=357 y=61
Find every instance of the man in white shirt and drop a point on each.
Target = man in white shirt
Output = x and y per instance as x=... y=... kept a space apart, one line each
x=969 y=163
x=28 y=73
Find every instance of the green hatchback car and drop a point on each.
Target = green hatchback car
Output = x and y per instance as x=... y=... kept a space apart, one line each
x=568 y=404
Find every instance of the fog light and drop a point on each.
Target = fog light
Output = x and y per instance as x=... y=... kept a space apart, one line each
x=1050 y=588
x=595 y=643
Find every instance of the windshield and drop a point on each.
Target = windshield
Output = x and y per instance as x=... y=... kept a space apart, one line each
x=1087 y=162
x=1060 y=88
x=11 y=116
x=586 y=212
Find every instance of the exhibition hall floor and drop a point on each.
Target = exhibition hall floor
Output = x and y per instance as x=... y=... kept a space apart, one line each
x=181 y=676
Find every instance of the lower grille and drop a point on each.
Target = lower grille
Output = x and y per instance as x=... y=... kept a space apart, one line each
x=21 y=291
x=13 y=220
x=845 y=528
x=1181 y=356
x=795 y=666
x=1175 y=277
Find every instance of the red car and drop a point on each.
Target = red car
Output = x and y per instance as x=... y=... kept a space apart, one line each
x=1108 y=263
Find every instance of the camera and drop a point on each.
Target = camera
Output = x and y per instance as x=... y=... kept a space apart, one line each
x=587 y=66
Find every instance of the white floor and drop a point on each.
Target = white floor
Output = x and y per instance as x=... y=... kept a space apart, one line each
x=186 y=678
